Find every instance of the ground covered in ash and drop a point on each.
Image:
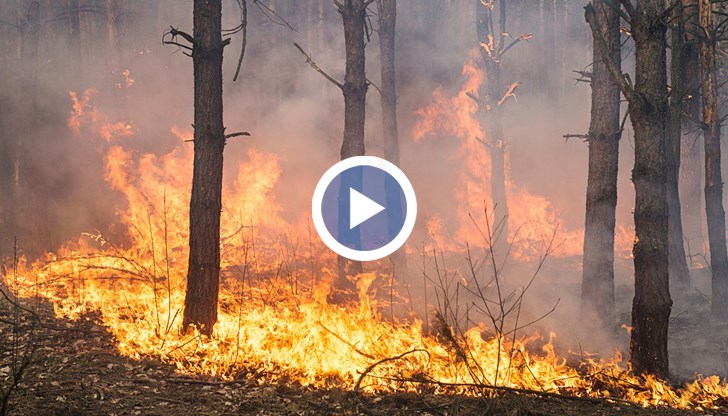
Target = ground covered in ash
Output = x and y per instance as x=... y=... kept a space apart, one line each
x=76 y=370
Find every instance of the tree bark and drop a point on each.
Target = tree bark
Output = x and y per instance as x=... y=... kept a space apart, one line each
x=353 y=13
x=597 y=292
x=648 y=109
x=493 y=119
x=387 y=10
x=713 y=179
x=113 y=11
x=679 y=274
x=691 y=169
x=30 y=195
x=203 y=275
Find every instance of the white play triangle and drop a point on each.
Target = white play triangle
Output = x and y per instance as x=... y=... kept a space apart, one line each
x=361 y=208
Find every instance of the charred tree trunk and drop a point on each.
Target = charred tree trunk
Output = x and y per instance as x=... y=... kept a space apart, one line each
x=203 y=274
x=679 y=274
x=648 y=110
x=30 y=197
x=713 y=178
x=597 y=290
x=492 y=49
x=387 y=10
x=691 y=169
x=353 y=13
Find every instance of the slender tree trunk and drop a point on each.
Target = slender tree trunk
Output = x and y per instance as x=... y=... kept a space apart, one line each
x=691 y=170
x=679 y=275
x=387 y=10
x=30 y=199
x=113 y=11
x=74 y=46
x=597 y=292
x=493 y=119
x=713 y=179
x=353 y=13
x=203 y=274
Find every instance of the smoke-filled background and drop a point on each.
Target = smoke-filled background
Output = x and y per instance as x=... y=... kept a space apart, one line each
x=108 y=55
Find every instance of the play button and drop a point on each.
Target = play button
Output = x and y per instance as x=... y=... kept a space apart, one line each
x=361 y=208
x=364 y=208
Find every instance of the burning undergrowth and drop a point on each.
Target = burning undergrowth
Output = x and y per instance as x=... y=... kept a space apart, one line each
x=275 y=320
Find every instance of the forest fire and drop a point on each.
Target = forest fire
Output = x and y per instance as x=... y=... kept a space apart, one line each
x=229 y=232
x=277 y=325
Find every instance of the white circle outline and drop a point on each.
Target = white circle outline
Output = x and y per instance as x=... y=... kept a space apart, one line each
x=364 y=255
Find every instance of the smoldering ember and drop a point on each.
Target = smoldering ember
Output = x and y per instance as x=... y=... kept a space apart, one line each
x=540 y=231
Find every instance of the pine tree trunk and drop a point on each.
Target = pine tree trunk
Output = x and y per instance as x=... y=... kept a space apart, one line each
x=353 y=13
x=679 y=274
x=597 y=293
x=31 y=203
x=493 y=115
x=648 y=111
x=713 y=178
x=691 y=169
x=74 y=46
x=387 y=10
x=203 y=273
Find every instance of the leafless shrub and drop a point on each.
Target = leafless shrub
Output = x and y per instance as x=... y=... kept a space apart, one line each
x=475 y=296
x=17 y=337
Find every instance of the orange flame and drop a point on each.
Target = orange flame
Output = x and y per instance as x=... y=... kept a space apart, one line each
x=270 y=326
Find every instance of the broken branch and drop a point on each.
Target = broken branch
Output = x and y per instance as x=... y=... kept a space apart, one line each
x=244 y=28
x=240 y=133
x=482 y=105
x=510 y=93
x=575 y=136
x=525 y=36
x=316 y=67
x=395 y=358
x=614 y=70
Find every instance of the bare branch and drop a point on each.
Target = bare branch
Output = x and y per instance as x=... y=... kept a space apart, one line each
x=237 y=134
x=244 y=28
x=316 y=67
x=482 y=104
x=483 y=142
x=382 y=361
x=270 y=14
x=628 y=7
x=525 y=36
x=510 y=93
x=617 y=76
x=374 y=85
x=172 y=34
x=615 y=5
x=575 y=136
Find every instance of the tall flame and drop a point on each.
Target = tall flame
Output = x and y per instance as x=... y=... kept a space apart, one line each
x=274 y=320
x=533 y=217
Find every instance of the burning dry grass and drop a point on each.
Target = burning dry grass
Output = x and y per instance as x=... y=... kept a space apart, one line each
x=268 y=329
x=274 y=318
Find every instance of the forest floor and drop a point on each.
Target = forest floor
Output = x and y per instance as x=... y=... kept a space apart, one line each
x=77 y=370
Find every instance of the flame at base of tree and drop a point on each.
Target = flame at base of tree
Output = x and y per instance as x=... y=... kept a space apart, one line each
x=274 y=331
x=275 y=323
